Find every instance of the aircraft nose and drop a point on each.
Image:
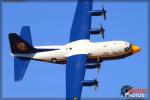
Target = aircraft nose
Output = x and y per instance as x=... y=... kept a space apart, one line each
x=135 y=48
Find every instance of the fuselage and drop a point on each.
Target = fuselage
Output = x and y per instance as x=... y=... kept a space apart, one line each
x=97 y=51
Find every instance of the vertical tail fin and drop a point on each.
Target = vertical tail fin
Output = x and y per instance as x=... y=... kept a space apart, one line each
x=21 y=45
x=26 y=34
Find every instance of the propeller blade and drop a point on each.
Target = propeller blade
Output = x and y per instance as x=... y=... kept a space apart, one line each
x=103 y=35
x=104 y=11
x=104 y=15
x=95 y=88
x=98 y=68
x=102 y=30
x=96 y=85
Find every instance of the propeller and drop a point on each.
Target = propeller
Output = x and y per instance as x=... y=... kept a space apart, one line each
x=96 y=84
x=104 y=11
x=98 y=67
x=102 y=30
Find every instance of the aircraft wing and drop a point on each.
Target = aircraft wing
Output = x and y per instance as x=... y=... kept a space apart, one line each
x=82 y=21
x=75 y=71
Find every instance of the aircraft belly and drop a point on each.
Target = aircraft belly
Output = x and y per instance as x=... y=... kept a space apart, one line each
x=47 y=56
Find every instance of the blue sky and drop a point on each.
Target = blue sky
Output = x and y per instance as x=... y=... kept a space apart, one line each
x=50 y=24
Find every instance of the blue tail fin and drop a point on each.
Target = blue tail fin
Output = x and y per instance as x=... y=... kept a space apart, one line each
x=21 y=45
x=26 y=34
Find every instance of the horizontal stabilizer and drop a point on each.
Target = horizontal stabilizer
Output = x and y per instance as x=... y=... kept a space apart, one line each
x=20 y=67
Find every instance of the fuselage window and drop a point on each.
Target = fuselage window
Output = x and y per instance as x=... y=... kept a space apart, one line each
x=105 y=45
x=126 y=43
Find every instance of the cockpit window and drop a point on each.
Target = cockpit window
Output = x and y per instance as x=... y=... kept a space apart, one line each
x=128 y=48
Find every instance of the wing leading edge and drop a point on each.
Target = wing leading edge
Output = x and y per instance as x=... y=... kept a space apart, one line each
x=82 y=21
x=75 y=71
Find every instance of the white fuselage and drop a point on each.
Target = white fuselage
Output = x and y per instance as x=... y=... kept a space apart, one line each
x=93 y=49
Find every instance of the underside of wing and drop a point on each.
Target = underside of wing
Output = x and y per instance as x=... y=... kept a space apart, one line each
x=82 y=21
x=75 y=71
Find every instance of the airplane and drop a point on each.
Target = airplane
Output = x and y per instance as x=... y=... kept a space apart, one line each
x=78 y=55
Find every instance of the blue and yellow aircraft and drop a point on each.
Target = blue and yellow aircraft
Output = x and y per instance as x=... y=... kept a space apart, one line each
x=78 y=55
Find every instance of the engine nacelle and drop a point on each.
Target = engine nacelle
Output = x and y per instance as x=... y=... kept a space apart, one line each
x=95 y=31
x=92 y=65
x=90 y=83
x=97 y=12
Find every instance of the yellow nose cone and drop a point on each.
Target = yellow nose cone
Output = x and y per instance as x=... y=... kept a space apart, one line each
x=135 y=49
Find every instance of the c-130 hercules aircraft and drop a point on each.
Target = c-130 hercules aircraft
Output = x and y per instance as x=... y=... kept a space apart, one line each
x=78 y=55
